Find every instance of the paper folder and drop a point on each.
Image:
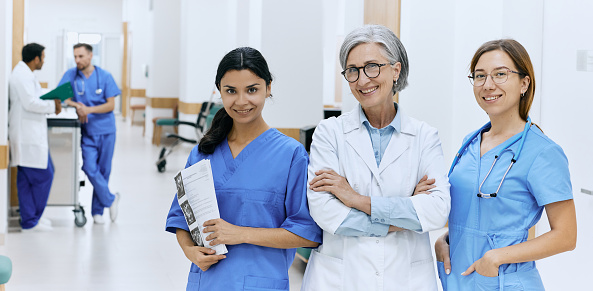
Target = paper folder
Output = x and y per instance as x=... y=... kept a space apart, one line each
x=62 y=92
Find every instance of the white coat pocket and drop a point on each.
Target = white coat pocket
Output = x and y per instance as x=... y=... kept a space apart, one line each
x=323 y=273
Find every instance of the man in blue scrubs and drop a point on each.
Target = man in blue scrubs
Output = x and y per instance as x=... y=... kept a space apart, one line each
x=94 y=100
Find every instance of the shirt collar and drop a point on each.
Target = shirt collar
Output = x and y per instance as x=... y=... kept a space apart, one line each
x=396 y=123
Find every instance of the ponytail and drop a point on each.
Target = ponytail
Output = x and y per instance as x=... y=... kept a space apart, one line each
x=221 y=126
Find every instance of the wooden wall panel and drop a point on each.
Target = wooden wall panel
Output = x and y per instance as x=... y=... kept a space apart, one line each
x=292 y=132
x=189 y=108
x=384 y=12
x=4 y=157
x=18 y=30
x=162 y=102
x=137 y=92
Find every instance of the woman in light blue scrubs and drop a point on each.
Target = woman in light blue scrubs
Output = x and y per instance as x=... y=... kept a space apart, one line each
x=503 y=177
x=260 y=178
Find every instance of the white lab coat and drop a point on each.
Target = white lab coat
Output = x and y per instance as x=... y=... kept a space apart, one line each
x=401 y=260
x=27 y=123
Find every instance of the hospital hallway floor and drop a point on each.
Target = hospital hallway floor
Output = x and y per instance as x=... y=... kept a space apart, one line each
x=134 y=253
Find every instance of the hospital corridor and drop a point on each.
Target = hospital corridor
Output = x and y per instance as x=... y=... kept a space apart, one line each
x=310 y=145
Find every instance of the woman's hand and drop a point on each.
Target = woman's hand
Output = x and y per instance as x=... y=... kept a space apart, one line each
x=441 y=249
x=223 y=232
x=202 y=257
x=485 y=266
x=424 y=185
x=330 y=181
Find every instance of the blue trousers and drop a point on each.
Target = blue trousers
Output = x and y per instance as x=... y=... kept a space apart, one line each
x=97 y=152
x=33 y=187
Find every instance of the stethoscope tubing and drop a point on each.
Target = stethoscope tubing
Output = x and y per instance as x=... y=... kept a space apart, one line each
x=504 y=148
x=79 y=74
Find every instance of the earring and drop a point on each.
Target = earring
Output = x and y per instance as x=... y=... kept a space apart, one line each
x=395 y=82
x=522 y=94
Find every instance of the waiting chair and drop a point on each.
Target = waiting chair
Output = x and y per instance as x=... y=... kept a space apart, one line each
x=5 y=271
x=159 y=122
x=202 y=124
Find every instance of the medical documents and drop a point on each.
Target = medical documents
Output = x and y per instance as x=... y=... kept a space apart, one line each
x=197 y=198
x=62 y=92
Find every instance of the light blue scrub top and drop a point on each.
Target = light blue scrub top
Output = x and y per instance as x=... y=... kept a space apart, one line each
x=399 y=212
x=264 y=186
x=98 y=123
x=477 y=225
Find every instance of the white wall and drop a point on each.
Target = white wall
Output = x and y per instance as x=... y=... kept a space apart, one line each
x=164 y=60
x=201 y=49
x=353 y=18
x=46 y=21
x=5 y=70
x=440 y=38
x=291 y=44
x=136 y=13
x=566 y=108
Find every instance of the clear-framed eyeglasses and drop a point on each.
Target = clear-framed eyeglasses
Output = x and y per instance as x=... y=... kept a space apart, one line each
x=499 y=76
x=371 y=70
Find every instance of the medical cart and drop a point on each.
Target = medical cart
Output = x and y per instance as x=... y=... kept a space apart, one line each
x=64 y=147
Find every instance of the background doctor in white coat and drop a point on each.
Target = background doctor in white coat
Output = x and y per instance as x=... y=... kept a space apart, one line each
x=27 y=131
x=364 y=167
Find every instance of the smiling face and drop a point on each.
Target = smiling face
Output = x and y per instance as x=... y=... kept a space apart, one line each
x=243 y=95
x=499 y=99
x=372 y=92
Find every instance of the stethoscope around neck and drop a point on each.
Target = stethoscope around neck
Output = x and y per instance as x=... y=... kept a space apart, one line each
x=505 y=148
x=78 y=73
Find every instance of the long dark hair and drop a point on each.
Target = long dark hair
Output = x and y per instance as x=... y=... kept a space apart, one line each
x=243 y=58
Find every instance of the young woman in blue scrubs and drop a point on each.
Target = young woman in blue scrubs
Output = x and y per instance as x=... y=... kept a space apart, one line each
x=502 y=179
x=260 y=177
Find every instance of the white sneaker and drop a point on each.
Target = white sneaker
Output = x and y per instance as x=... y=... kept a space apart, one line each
x=113 y=208
x=38 y=228
x=44 y=221
x=98 y=219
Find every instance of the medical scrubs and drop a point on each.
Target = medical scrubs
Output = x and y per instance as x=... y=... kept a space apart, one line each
x=33 y=191
x=98 y=134
x=264 y=187
x=477 y=225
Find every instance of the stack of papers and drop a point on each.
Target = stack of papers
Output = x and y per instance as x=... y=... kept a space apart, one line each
x=197 y=199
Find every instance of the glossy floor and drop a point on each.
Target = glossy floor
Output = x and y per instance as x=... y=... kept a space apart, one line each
x=135 y=253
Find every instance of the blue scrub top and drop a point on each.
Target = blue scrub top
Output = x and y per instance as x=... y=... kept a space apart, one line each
x=476 y=225
x=98 y=123
x=264 y=186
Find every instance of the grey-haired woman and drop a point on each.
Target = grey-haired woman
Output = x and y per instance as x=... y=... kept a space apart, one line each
x=363 y=172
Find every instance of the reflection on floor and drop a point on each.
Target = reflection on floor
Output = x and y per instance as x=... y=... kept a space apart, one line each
x=135 y=253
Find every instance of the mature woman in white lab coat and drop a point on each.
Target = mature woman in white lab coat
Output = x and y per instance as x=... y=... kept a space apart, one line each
x=364 y=167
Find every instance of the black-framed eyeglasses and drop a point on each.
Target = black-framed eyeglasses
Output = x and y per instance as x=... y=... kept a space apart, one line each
x=498 y=76
x=372 y=70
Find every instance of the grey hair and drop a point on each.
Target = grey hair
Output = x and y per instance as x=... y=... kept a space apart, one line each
x=393 y=49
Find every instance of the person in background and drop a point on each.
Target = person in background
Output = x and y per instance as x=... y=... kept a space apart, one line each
x=27 y=132
x=260 y=178
x=94 y=100
x=363 y=171
x=503 y=177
